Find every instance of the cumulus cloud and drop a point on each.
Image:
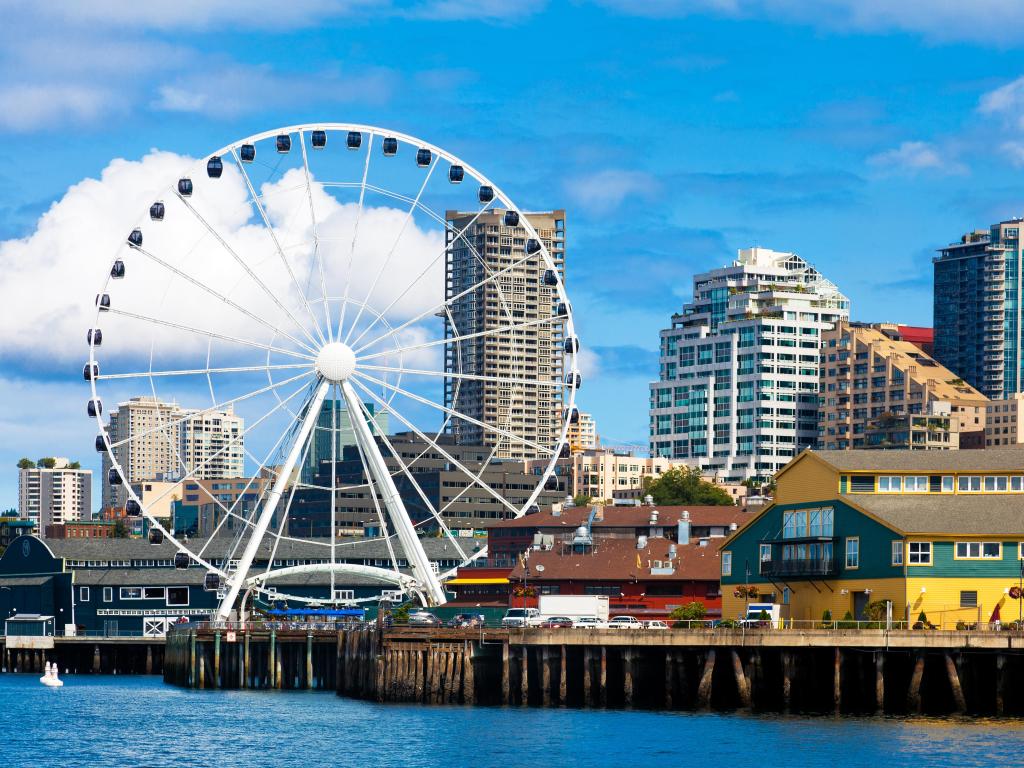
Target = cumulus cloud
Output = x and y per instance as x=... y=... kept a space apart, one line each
x=608 y=189
x=914 y=157
x=52 y=274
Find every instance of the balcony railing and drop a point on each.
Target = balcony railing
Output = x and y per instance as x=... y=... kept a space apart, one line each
x=807 y=568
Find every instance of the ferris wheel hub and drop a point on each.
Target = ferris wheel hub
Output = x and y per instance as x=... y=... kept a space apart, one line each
x=335 y=362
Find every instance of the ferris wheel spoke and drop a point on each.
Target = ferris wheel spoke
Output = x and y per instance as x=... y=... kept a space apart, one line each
x=277 y=245
x=317 y=255
x=372 y=489
x=173 y=424
x=419 y=277
x=231 y=441
x=248 y=270
x=355 y=234
x=433 y=443
x=553 y=383
x=209 y=334
x=391 y=252
x=216 y=294
x=201 y=371
x=456 y=414
x=456 y=339
x=419 y=490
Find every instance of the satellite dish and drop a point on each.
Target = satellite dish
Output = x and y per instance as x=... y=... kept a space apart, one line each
x=539 y=568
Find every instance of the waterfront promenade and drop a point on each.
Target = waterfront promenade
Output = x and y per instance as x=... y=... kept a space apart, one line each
x=861 y=671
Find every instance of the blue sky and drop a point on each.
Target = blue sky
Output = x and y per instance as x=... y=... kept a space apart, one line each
x=861 y=135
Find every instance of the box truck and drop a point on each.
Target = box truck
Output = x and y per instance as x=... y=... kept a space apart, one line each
x=574 y=606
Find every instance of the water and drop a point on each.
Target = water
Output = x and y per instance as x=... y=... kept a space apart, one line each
x=138 y=721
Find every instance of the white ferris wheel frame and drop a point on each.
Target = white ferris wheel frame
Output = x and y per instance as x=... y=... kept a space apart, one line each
x=426 y=584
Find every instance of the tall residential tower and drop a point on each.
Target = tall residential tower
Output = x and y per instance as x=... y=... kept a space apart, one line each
x=978 y=309
x=489 y=247
x=738 y=388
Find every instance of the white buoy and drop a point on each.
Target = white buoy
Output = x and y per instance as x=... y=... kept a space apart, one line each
x=50 y=678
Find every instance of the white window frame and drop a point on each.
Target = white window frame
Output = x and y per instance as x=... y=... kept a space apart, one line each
x=950 y=486
x=969 y=484
x=83 y=594
x=855 y=541
x=923 y=554
x=898 y=552
x=167 y=597
x=163 y=593
x=975 y=550
x=344 y=594
x=891 y=483
x=129 y=590
x=727 y=563
x=920 y=483
x=108 y=594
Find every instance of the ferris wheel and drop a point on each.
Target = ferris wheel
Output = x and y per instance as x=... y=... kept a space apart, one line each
x=358 y=305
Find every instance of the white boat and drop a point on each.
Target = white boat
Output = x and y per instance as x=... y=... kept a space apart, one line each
x=50 y=678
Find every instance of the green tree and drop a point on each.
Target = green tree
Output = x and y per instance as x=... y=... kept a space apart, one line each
x=684 y=485
x=47 y=462
x=26 y=464
x=75 y=465
x=694 y=611
x=120 y=530
x=581 y=499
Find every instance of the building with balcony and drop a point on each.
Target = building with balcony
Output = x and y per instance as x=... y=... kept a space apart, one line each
x=53 y=492
x=1004 y=421
x=977 y=310
x=737 y=393
x=880 y=391
x=582 y=435
x=939 y=532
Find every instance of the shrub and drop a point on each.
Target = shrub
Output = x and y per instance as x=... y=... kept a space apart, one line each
x=826 y=619
x=847 y=622
x=694 y=611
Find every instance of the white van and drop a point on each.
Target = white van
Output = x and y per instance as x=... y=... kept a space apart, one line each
x=521 y=617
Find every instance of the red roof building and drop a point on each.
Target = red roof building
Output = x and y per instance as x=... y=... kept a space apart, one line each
x=923 y=338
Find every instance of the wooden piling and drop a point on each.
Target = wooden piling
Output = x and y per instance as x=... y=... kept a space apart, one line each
x=216 y=682
x=545 y=675
x=192 y=671
x=96 y=666
x=420 y=674
x=837 y=681
x=914 y=693
x=524 y=680
x=704 y=689
x=879 y=682
x=469 y=675
x=309 y=660
x=506 y=673
x=588 y=662
x=149 y=659
x=278 y=677
x=272 y=660
x=1000 y=683
x=245 y=663
x=742 y=682
x=563 y=687
x=787 y=681
x=603 y=677
x=627 y=677
x=959 y=702
x=669 y=676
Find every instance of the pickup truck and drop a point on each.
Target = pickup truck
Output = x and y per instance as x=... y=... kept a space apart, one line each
x=521 y=617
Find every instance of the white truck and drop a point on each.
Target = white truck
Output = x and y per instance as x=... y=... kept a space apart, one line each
x=575 y=606
x=759 y=614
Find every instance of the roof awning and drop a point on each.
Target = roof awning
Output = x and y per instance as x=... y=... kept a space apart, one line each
x=476 y=581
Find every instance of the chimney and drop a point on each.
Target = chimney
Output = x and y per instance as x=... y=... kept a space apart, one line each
x=683 y=528
x=641 y=542
x=556 y=510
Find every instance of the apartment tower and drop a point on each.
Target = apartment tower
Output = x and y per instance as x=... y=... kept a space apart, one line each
x=504 y=286
x=738 y=389
x=51 y=495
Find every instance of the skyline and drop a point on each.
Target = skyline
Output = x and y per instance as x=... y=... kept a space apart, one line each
x=863 y=145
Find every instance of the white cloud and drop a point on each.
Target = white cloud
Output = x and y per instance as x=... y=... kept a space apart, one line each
x=1014 y=151
x=589 y=363
x=1006 y=102
x=913 y=157
x=941 y=20
x=23 y=107
x=608 y=189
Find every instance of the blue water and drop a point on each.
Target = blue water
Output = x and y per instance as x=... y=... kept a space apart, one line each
x=138 y=721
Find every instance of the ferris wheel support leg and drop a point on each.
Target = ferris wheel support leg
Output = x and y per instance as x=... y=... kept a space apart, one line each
x=397 y=513
x=273 y=499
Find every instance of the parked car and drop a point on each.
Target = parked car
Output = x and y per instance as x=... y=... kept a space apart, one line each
x=655 y=624
x=423 y=619
x=521 y=617
x=463 y=620
x=589 y=622
x=557 y=622
x=625 y=622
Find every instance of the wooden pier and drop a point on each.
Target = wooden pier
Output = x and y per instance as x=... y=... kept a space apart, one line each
x=826 y=671
x=84 y=655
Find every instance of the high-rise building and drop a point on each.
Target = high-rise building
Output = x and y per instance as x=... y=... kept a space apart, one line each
x=510 y=291
x=162 y=441
x=738 y=388
x=879 y=390
x=582 y=436
x=1004 y=421
x=978 y=308
x=49 y=495
x=320 y=449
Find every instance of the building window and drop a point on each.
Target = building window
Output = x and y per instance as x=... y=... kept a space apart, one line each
x=83 y=594
x=765 y=555
x=108 y=594
x=979 y=550
x=897 y=552
x=853 y=552
x=786 y=594
x=919 y=553
x=968 y=598
x=726 y=564
x=344 y=594
x=917 y=484
x=890 y=484
x=131 y=593
x=177 y=596
x=947 y=483
x=969 y=484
